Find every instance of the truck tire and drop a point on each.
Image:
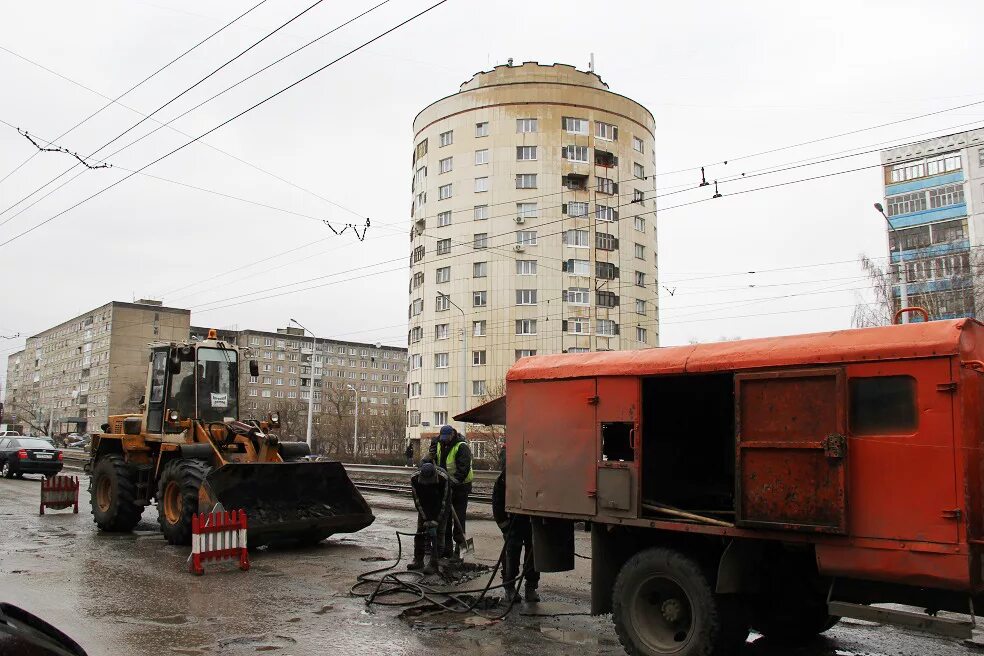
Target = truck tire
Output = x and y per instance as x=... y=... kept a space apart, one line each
x=113 y=494
x=663 y=603
x=177 y=498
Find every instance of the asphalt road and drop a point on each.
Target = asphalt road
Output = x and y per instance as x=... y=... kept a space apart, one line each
x=132 y=594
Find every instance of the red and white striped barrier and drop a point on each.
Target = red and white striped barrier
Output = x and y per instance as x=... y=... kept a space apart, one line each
x=60 y=492
x=218 y=536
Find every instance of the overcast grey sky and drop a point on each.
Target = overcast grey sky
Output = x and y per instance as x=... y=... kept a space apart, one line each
x=723 y=80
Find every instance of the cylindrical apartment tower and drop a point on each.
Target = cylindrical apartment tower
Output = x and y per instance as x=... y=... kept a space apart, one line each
x=532 y=231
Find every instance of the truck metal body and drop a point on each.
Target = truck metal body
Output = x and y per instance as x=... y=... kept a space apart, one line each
x=860 y=449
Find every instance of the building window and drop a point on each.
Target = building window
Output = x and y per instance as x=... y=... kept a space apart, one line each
x=607 y=327
x=577 y=267
x=639 y=223
x=440 y=389
x=638 y=171
x=525 y=353
x=445 y=165
x=479 y=299
x=481 y=212
x=640 y=305
x=640 y=252
x=444 y=192
x=637 y=144
x=606 y=270
x=606 y=299
x=948 y=195
x=480 y=269
x=482 y=129
x=577 y=238
x=640 y=334
x=443 y=274
x=606 y=131
x=478 y=387
x=443 y=219
x=442 y=302
x=443 y=246
x=577 y=296
x=575 y=125
x=575 y=153
x=526 y=267
x=447 y=138
x=525 y=153
x=480 y=240
x=526 y=181
x=415 y=308
x=525 y=326
x=441 y=331
x=440 y=417
x=413 y=417
x=526 y=237
x=416 y=334
x=638 y=196
x=607 y=186
x=906 y=203
x=414 y=390
x=416 y=361
x=526 y=210
x=441 y=360
x=605 y=213
x=980 y=157
x=526 y=125
x=481 y=156
x=525 y=297
x=478 y=328
x=578 y=326
x=478 y=358
x=575 y=209
x=481 y=184
x=640 y=279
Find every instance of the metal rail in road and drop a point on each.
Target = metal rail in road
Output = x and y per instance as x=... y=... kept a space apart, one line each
x=78 y=457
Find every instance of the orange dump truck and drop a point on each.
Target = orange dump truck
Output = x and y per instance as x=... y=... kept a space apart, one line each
x=778 y=484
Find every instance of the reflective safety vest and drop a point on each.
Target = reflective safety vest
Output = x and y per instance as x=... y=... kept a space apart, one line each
x=452 y=465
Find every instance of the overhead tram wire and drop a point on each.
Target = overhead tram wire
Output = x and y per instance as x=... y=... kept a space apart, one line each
x=231 y=119
x=215 y=148
x=166 y=104
x=117 y=98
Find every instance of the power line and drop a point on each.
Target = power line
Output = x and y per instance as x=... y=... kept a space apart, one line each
x=117 y=98
x=231 y=119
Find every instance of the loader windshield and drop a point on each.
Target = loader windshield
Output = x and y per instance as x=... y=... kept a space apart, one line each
x=218 y=389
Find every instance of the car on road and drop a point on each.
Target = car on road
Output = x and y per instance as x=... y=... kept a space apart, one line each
x=29 y=455
x=9 y=433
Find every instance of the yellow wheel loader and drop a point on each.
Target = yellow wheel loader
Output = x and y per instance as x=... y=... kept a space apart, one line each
x=189 y=450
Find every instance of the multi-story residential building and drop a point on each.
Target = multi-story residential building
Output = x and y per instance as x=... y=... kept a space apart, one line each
x=533 y=231
x=94 y=365
x=290 y=369
x=934 y=200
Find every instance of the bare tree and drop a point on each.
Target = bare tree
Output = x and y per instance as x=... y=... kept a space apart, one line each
x=33 y=418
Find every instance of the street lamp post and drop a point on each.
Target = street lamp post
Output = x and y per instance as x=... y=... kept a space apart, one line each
x=903 y=273
x=310 y=412
x=355 y=433
x=464 y=355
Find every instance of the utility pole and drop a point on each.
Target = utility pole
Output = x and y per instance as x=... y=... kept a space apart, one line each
x=310 y=412
x=355 y=433
x=903 y=272
x=464 y=356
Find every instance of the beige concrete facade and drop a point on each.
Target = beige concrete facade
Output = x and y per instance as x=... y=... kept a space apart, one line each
x=89 y=367
x=533 y=211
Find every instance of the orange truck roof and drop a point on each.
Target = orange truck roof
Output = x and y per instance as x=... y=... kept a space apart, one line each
x=914 y=340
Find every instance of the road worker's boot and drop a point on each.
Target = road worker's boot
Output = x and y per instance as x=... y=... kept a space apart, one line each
x=455 y=559
x=510 y=594
x=431 y=567
x=531 y=594
x=416 y=565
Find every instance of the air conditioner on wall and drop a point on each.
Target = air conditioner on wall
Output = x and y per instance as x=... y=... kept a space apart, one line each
x=519 y=248
x=520 y=220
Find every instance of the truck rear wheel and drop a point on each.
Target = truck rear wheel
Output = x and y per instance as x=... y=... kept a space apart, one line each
x=113 y=494
x=663 y=603
x=177 y=498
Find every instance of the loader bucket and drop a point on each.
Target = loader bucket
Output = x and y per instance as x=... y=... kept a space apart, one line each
x=288 y=501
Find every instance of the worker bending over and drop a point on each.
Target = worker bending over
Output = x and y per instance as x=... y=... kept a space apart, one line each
x=517 y=532
x=432 y=496
x=452 y=454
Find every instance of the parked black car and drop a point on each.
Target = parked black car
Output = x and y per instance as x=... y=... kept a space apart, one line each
x=28 y=455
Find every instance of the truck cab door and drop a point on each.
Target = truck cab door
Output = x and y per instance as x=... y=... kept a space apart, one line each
x=791 y=443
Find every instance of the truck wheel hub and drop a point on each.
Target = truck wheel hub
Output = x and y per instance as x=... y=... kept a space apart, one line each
x=672 y=610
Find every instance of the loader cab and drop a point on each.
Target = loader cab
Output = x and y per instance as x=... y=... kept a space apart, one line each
x=199 y=381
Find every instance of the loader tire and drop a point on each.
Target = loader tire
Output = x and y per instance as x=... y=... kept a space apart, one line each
x=663 y=603
x=177 y=498
x=113 y=494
